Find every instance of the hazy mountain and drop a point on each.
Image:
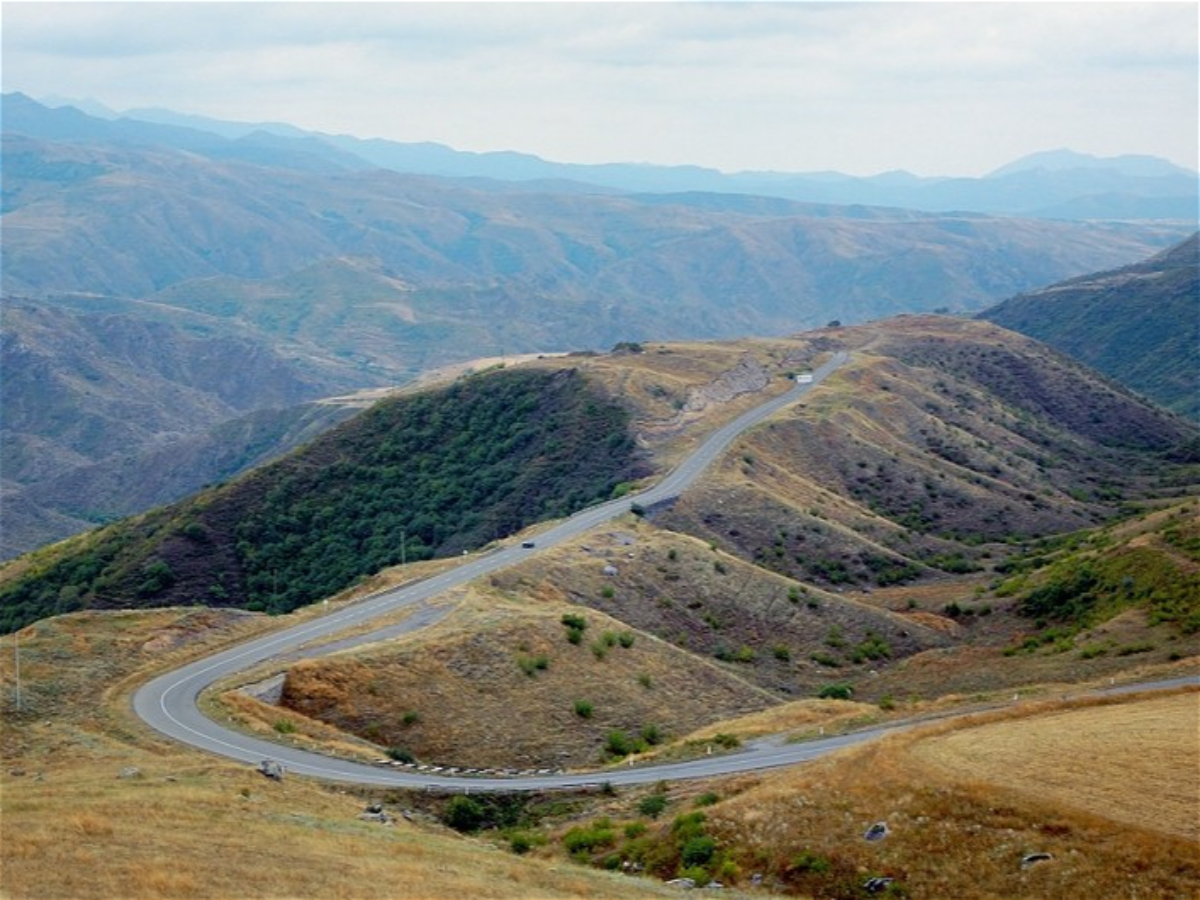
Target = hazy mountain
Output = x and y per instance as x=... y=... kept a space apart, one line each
x=178 y=279
x=1051 y=184
x=1139 y=324
x=126 y=221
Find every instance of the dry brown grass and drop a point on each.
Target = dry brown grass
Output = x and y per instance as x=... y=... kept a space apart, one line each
x=458 y=694
x=1135 y=762
x=223 y=832
x=193 y=827
x=965 y=803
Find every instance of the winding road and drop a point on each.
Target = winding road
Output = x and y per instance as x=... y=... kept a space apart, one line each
x=169 y=702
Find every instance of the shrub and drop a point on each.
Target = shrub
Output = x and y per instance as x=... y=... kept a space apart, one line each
x=400 y=755
x=626 y=639
x=688 y=826
x=698 y=851
x=618 y=744
x=839 y=690
x=583 y=709
x=781 y=652
x=520 y=843
x=651 y=735
x=653 y=805
x=412 y=717
x=574 y=622
x=581 y=840
x=706 y=799
x=645 y=681
x=531 y=665
x=464 y=814
x=807 y=861
x=285 y=726
x=607 y=592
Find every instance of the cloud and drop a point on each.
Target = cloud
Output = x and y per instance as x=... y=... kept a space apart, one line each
x=937 y=88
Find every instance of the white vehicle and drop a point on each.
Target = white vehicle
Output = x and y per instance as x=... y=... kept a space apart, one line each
x=804 y=378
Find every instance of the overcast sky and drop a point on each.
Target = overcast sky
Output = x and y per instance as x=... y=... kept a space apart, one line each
x=935 y=88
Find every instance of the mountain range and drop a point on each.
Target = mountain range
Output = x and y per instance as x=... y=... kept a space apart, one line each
x=1051 y=184
x=176 y=298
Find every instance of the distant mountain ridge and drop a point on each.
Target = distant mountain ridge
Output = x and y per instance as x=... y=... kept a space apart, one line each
x=1053 y=184
x=298 y=263
x=1139 y=324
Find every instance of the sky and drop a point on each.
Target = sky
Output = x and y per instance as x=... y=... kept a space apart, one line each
x=931 y=88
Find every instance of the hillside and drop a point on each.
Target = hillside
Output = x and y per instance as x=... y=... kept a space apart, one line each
x=1139 y=324
x=944 y=439
x=431 y=474
x=112 y=407
x=158 y=220
x=142 y=263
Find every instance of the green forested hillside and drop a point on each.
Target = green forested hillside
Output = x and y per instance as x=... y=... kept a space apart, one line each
x=413 y=477
x=1139 y=324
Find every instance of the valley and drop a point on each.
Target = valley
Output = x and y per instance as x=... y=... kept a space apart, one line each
x=680 y=629
x=317 y=273
x=374 y=526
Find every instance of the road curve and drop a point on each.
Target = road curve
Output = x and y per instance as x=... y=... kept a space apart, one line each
x=169 y=702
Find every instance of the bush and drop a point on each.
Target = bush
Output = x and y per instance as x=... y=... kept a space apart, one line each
x=706 y=799
x=531 y=665
x=400 y=755
x=575 y=622
x=807 y=861
x=583 y=709
x=464 y=814
x=285 y=726
x=626 y=639
x=698 y=851
x=839 y=690
x=618 y=744
x=591 y=838
x=653 y=805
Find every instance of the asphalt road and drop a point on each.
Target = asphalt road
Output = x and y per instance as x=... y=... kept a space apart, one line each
x=169 y=703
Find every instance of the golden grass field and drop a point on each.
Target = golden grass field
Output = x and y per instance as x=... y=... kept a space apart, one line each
x=966 y=802
x=1134 y=762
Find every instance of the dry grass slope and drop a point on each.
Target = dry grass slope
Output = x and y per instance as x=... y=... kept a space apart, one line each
x=188 y=826
x=960 y=821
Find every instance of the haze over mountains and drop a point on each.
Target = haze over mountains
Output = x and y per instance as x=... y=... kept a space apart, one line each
x=174 y=288
x=1055 y=183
